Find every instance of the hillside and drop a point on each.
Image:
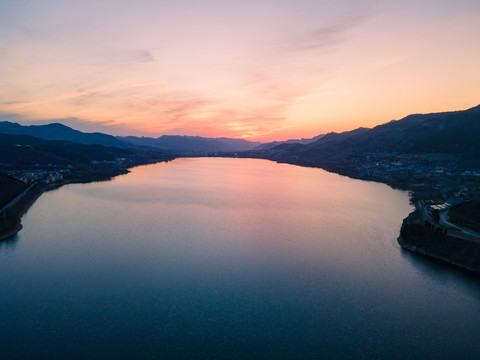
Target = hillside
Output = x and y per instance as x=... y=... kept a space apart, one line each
x=17 y=151
x=270 y=145
x=455 y=133
x=61 y=132
x=183 y=145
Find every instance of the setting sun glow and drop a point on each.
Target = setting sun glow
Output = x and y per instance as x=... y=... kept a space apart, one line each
x=262 y=70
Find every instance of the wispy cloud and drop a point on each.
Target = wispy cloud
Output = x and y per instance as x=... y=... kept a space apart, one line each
x=19 y=105
x=326 y=36
x=243 y=68
x=256 y=102
x=143 y=55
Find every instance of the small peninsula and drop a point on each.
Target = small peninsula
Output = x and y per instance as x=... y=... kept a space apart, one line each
x=428 y=231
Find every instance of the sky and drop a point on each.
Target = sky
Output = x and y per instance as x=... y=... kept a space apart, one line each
x=256 y=69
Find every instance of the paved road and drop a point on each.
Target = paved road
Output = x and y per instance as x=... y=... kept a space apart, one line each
x=458 y=231
x=17 y=198
x=452 y=229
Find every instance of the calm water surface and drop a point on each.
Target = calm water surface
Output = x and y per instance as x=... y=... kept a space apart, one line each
x=228 y=259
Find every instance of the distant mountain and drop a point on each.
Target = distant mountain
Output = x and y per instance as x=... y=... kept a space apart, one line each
x=186 y=145
x=61 y=132
x=456 y=132
x=272 y=144
x=27 y=151
x=182 y=145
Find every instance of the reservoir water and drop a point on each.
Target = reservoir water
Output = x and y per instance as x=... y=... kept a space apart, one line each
x=212 y=258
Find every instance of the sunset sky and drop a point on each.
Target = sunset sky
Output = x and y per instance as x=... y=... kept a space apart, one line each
x=257 y=69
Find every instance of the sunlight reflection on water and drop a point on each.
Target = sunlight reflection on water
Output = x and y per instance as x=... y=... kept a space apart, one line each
x=228 y=258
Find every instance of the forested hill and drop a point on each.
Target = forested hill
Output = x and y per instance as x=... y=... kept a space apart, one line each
x=58 y=131
x=190 y=145
x=181 y=145
x=456 y=133
x=22 y=150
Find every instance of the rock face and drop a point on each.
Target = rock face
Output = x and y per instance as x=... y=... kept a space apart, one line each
x=416 y=237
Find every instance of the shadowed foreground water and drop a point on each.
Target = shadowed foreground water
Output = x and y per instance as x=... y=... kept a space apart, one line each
x=228 y=259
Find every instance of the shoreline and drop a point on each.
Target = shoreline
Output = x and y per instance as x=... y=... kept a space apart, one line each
x=453 y=251
x=444 y=259
x=10 y=233
x=11 y=219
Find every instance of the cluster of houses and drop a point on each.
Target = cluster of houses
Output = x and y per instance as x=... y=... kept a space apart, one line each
x=52 y=173
x=118 y=162
x=441 y=176
x=385 y=169
x=45 y=176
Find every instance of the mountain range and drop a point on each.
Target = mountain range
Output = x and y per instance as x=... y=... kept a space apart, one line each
x=180 y=145
x=190 y=145
x=272 y=144
x=455 y=133
x=28 y=151
x=58 y=131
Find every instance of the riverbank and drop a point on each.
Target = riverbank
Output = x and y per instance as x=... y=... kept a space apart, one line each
x=414 y=236
x=10 y=219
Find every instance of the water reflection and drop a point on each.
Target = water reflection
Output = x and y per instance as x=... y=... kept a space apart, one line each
x=7 y=246
x=228 y=258
x=438 y=270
